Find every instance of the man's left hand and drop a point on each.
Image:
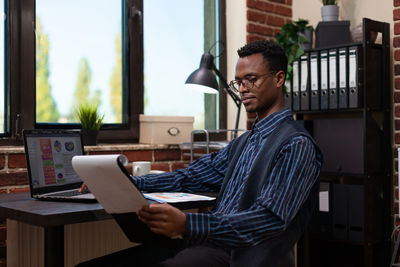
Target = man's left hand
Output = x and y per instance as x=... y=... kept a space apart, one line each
x=163 y=219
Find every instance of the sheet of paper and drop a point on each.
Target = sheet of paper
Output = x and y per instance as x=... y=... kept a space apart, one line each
x=112 y=188
x=324 y=201
x=174 y=197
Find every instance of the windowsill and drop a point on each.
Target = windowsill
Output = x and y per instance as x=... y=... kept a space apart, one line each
x=100 y=147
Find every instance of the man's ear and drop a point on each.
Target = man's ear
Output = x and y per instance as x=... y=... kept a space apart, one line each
x=280 y=78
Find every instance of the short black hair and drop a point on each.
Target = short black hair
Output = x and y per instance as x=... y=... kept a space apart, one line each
x=272 y=52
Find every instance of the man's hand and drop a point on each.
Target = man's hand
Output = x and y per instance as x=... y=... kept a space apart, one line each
x=83 y=189
x=163 y=219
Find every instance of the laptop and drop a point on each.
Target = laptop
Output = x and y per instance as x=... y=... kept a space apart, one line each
x=48 y=155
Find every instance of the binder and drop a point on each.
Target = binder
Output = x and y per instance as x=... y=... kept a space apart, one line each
x=295 y=87
x=304 y=89
x=355 y=196
x=340 y=211
x=343 y=86
x=355 y=90
x=288 y=94
x=333 y=100
x=315 y=93
x=324 y=79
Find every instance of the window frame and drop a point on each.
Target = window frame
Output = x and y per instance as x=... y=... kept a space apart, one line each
x=20 y=84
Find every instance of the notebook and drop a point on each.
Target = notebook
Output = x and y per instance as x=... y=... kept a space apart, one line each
x=48 y=155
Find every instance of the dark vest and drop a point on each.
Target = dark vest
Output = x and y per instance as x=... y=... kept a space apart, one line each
x=272 y=250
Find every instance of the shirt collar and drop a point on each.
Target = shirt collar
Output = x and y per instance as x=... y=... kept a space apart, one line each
x=269 y=123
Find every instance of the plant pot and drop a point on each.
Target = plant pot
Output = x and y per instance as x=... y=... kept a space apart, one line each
x=330 y=13
x=89 y=137
x=308 y=34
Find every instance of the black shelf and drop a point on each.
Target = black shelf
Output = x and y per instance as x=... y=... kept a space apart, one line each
x=357 y=170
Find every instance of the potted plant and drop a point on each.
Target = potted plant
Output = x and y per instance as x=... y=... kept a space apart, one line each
x=91 y=122
x=292 y=38
x=329 y=10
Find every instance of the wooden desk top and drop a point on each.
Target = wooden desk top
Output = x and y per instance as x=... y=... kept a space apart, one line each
x=21 y=207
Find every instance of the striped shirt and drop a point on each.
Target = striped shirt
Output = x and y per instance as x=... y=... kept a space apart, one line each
x=294 y=172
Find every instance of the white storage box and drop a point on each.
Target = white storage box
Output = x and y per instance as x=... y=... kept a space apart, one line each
x=165 y=129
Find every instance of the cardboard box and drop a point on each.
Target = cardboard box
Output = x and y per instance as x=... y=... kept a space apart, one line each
x=165 y=129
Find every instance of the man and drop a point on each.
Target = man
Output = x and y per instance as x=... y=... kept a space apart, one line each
x=267 y=181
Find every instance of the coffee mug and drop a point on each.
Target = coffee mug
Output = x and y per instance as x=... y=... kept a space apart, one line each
x=141 y=167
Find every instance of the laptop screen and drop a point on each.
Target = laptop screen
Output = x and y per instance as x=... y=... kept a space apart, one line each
x=49 y=154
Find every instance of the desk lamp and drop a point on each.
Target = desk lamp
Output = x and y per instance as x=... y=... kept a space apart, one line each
x=203 y=79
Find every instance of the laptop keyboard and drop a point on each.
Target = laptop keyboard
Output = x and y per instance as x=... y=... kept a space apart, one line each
x=67 y=193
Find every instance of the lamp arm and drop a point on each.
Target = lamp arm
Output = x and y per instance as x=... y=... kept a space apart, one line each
x=234 y=96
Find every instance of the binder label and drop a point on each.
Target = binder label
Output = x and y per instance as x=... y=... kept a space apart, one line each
x=304 y=73
x=332 y=69
x=295 y=77
x=314 y=73
x=342 y=68
x=352 y=68
x=324 y=70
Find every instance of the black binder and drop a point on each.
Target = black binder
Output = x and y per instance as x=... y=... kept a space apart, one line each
x=356 y=202
x=340 y=224
x=304 y=84
x=315 y=93
x=288 y=94
x=332 y=67
x=355 y=88
x=295 y=87
x=343 y=81
x=324 y=74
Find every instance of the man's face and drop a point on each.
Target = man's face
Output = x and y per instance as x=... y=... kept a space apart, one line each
x=264 y=93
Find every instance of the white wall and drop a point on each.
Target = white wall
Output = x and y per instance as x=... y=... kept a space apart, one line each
x=235 y=38
x=352 y=10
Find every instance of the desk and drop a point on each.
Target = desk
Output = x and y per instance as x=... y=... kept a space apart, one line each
x=53 y=216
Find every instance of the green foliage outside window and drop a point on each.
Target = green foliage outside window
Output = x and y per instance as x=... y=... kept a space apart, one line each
x=116 y=81
x=81 y=94
x=46 y=108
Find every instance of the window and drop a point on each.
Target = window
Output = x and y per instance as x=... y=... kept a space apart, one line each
x=104 y=54
x=3 y=73
x=173 y=44
x=78 y=59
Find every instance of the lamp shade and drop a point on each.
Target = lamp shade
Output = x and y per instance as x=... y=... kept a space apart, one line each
x=203 y=79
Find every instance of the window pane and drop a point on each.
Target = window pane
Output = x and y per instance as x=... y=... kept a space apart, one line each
x=78 y=58
x=173 y=45
x=3 y=115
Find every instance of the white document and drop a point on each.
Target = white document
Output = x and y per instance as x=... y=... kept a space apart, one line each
x=112 y=188
x=324 y=201
x=174 y=197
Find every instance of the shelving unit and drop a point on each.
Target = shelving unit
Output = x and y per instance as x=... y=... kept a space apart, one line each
x=356 y=142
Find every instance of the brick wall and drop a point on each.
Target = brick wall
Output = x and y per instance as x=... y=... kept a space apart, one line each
x=14 y=176
x=264 y=20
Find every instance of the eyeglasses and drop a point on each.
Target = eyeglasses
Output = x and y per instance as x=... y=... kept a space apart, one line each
x=248 y=83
